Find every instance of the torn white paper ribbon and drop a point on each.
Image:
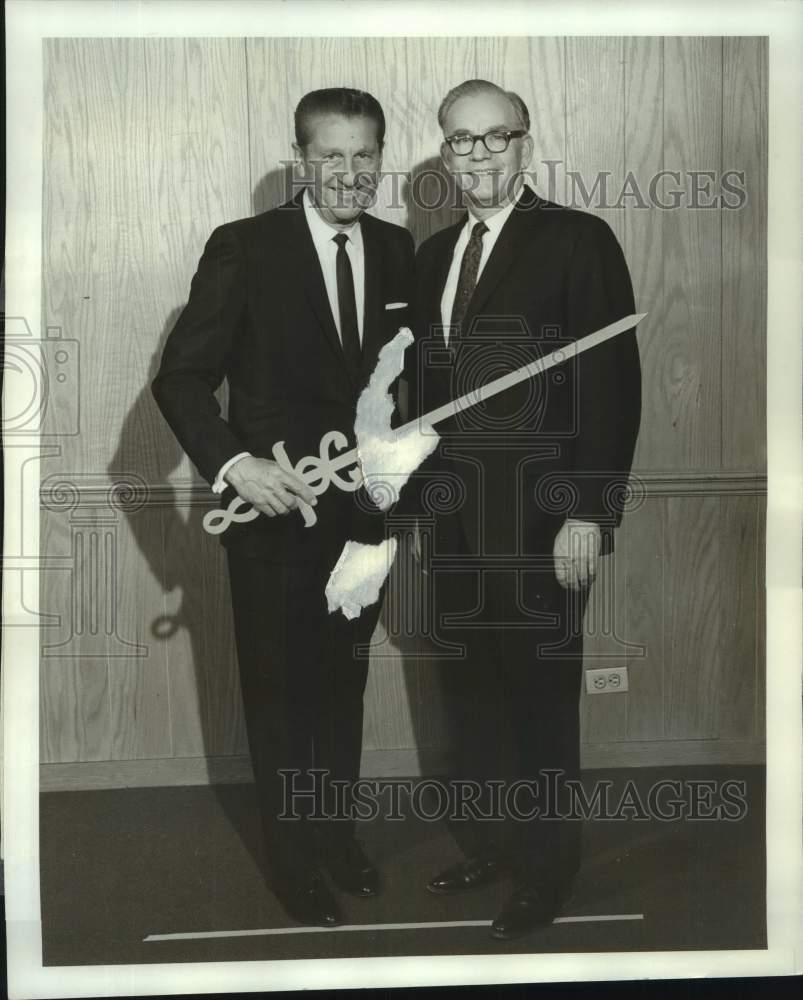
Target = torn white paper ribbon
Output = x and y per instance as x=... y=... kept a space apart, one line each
x=358 y=576
x=388 y=457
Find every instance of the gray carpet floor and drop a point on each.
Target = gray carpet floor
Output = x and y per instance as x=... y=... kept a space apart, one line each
x=119 y=865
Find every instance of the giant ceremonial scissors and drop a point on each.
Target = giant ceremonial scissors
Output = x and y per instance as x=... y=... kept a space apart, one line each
x=343 y=468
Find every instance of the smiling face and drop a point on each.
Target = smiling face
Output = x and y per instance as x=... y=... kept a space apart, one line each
x=342 y=160
x=488 y=180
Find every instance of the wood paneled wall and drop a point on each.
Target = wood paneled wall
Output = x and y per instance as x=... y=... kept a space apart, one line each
x=151 y=143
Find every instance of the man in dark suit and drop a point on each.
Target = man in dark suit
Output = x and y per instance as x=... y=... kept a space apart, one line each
x=291 y=307
x=536 y=477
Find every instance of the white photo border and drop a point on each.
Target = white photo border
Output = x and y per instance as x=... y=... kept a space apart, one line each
x=28 y=22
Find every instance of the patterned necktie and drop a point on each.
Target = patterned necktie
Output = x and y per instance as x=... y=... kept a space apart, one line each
x=347 y=307
x=467 y=281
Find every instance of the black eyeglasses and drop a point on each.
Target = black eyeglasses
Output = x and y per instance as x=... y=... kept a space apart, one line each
x=495 y=141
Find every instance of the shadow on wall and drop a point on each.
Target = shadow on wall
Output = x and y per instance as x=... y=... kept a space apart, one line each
x=168 y=456
x=431 y=199
x=190 y=566
x=427 y=195
x=183 y=556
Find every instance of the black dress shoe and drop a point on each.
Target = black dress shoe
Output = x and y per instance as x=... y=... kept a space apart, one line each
x=529 y=908
x=466 y=875
x=307 y=899
x=349 y=868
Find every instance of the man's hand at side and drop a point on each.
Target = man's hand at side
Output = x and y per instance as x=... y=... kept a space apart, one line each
x=576 y=553
x=267 y=486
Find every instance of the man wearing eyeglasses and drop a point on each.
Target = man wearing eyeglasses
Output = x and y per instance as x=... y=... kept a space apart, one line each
x=537 y=478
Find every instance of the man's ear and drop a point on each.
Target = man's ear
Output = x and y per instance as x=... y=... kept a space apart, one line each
x=528 y=146
x=301 y=159
x=445 y=153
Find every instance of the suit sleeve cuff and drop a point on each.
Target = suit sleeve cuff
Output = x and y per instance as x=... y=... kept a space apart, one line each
x=220 y=483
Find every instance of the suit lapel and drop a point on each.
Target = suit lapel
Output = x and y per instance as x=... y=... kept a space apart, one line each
x=372 y=307
x=439 y=275
x=431 y=328
x=309 y=267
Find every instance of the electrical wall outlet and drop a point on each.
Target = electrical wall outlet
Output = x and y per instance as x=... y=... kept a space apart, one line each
x=607 y=680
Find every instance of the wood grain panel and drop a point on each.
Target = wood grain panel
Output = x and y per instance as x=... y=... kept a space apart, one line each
x=150 y=143
x=672 y=753
x=642 y=532
x=145 y=151
x=270 y=121
x=197 y=162
x=692 y=603
x=104 y=686
x=186 y=667
x=387 y=80
x=206 y=714
x=94 y=93
x=604 y=717
x=69 y=777
x=282 y=71
x=760 y=727
x=744 y=255
x=138 y=687
x=595 y=97
x=75 y=717
x=739 y=577
x=434 y=66
x=689 y=396
x=535 y=69
x=643 y=232
x=100 y=669
x=326 y=62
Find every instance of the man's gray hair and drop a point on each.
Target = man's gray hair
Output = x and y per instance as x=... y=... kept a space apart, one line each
x=471 y=87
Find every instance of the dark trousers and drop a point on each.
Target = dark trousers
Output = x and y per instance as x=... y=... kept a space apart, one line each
x=512 y=707
x=302 y=685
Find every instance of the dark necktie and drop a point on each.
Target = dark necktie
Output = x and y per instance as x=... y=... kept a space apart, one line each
x=467 y=281
x=347 y=306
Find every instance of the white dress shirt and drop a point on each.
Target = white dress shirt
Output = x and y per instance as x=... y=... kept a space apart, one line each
x=323 y=239
x=494 y=224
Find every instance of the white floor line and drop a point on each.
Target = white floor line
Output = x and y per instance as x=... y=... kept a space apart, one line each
x=202 y=935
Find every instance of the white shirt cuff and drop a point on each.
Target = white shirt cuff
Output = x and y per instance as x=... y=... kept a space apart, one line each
x=220 y=484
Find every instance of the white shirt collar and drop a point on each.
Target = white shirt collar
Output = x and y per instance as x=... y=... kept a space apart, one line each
x=322 y=232
x=498 y=219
